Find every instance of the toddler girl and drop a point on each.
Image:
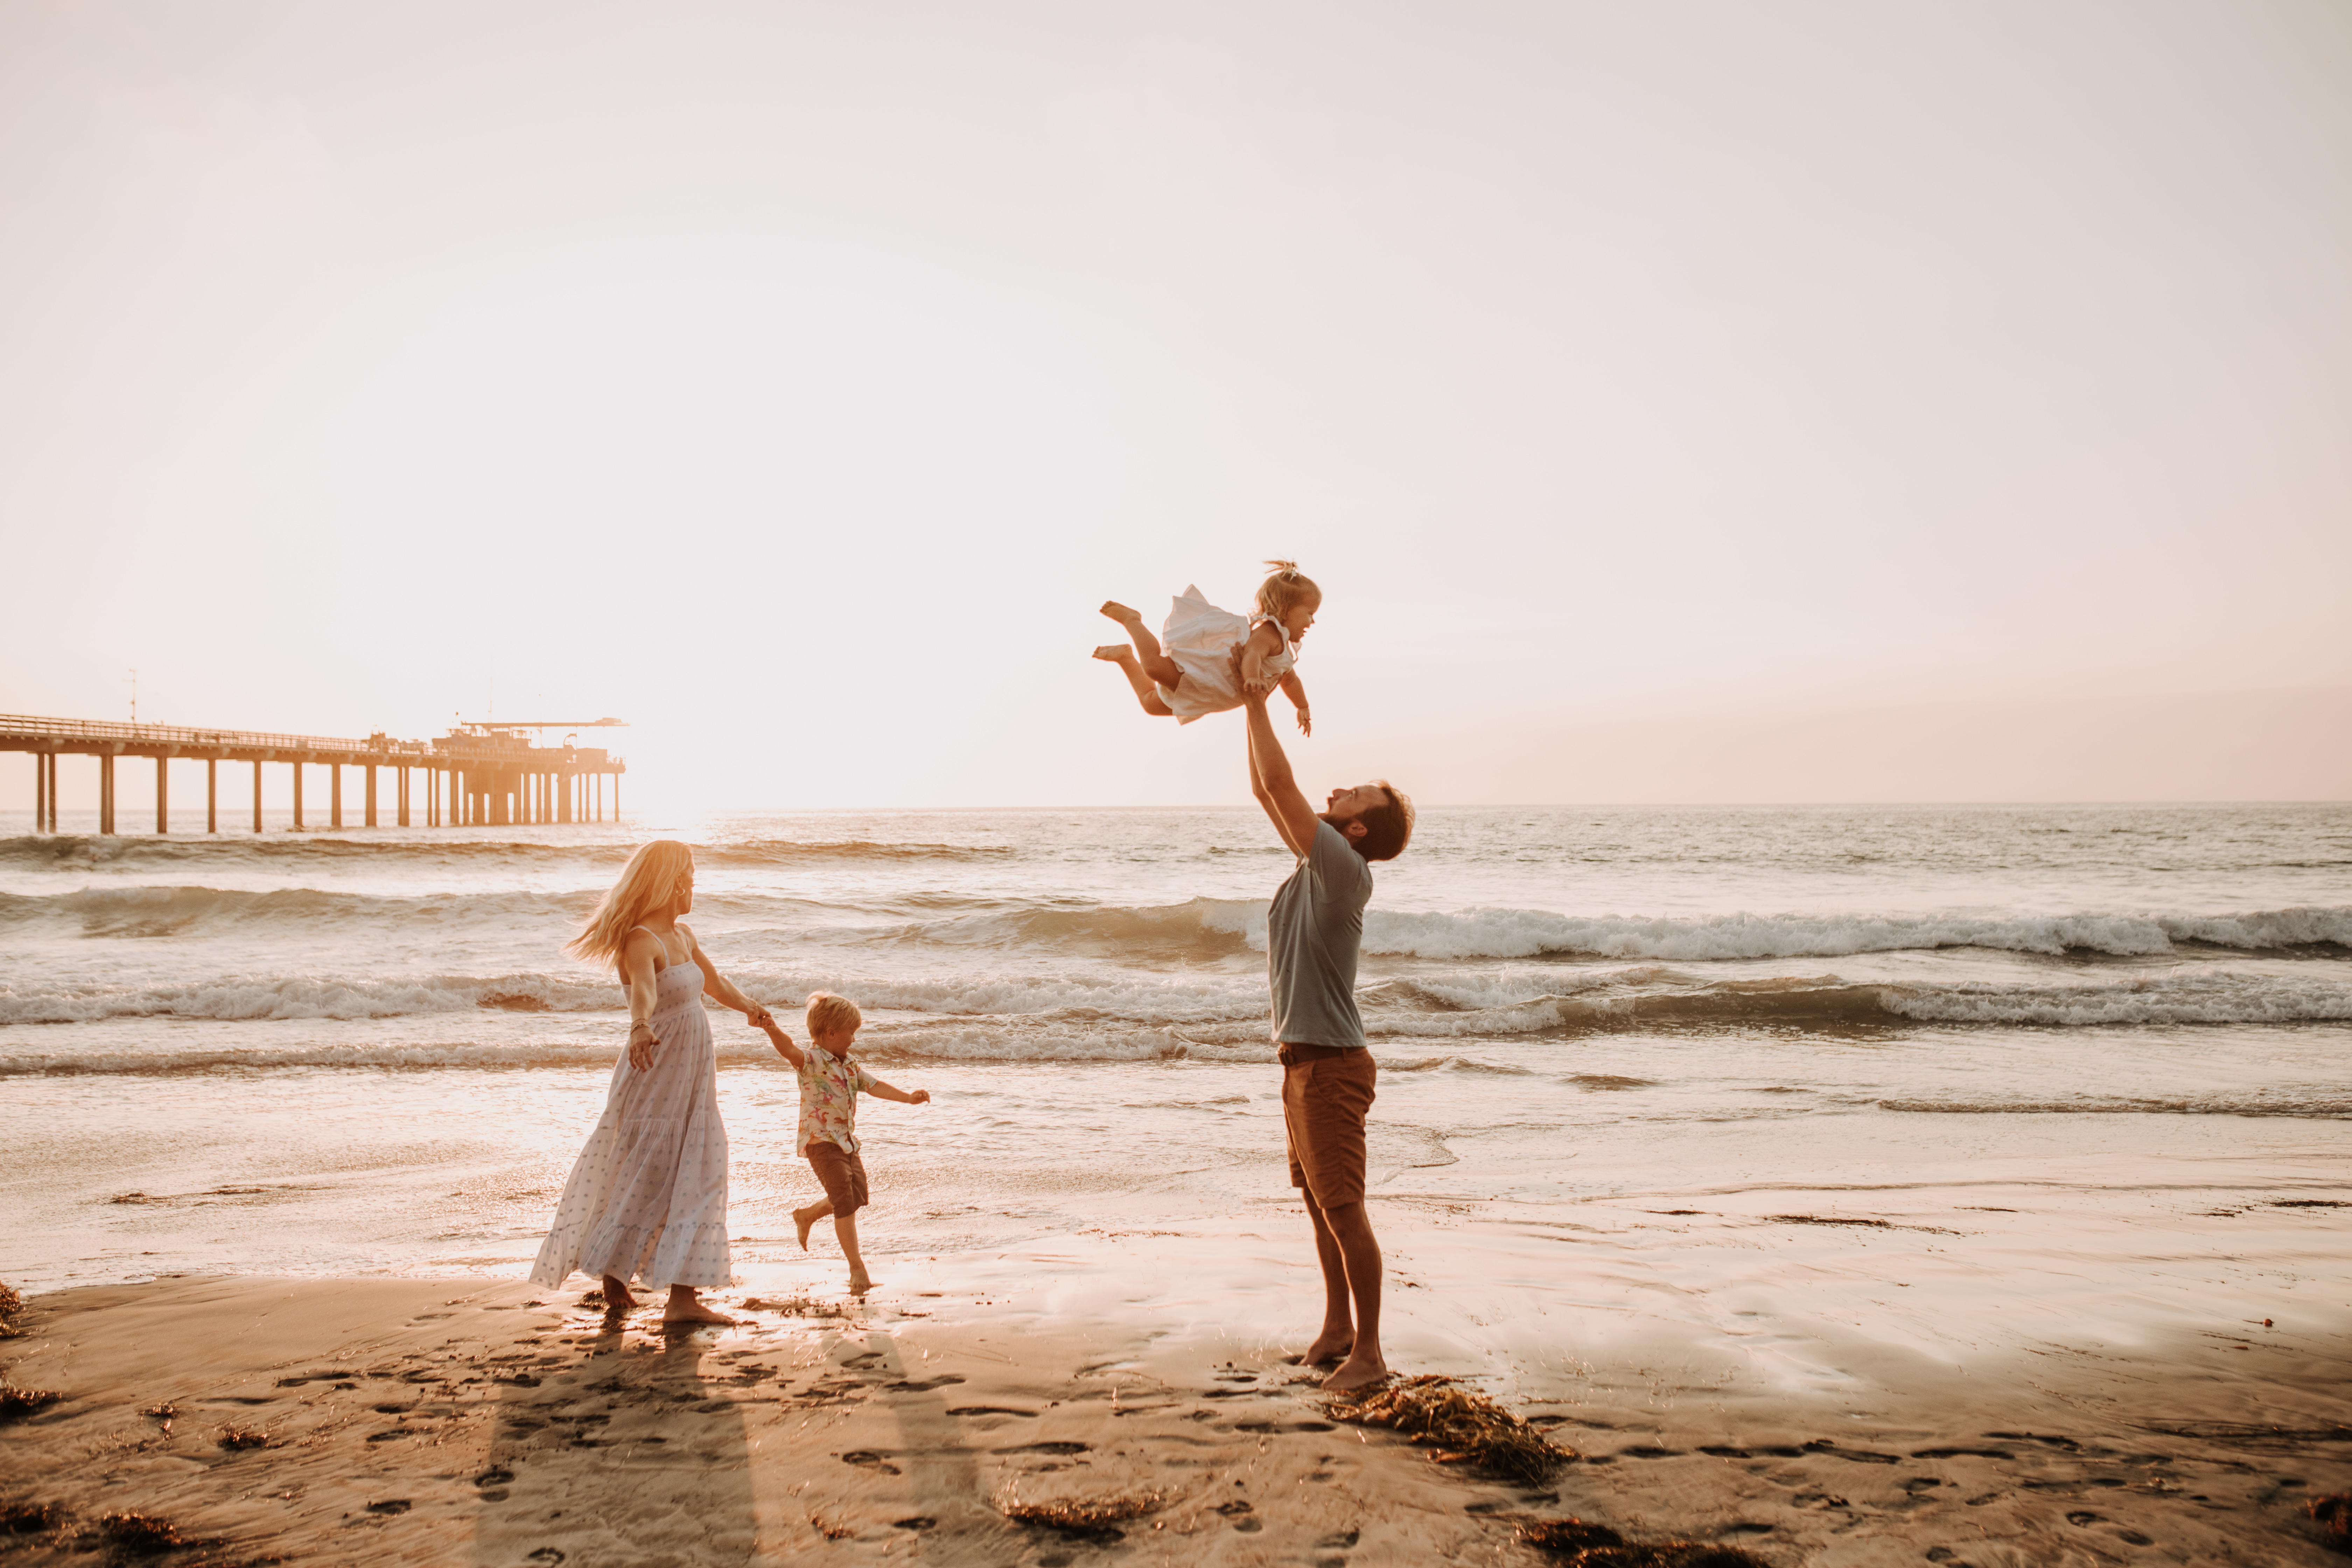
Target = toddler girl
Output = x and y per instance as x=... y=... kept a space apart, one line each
x=1194 y=673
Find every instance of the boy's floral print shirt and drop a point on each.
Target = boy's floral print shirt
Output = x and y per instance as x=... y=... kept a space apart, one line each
x=829 y=1086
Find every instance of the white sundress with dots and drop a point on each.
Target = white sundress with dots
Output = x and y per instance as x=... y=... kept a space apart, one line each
x=648 y=1195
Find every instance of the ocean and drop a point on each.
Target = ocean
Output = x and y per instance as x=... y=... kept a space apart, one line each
x=364 y=1051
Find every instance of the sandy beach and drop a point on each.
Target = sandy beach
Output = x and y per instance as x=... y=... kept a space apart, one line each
x=1992 y=1371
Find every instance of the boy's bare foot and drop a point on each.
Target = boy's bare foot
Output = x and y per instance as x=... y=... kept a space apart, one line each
x=684 y=1307
x=617 y=1297
x=1120 y=613
x=1328 y=1348
x=1113 y=653
x=1356 y=1374
x=859 y=1284
x=804 y=1219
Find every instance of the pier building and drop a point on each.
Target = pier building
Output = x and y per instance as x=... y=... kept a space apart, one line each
x=477 y=776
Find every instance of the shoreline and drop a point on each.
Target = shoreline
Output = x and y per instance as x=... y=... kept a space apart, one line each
x=1780 y=1409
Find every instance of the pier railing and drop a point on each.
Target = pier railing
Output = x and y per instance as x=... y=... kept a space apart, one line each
x=15 y=724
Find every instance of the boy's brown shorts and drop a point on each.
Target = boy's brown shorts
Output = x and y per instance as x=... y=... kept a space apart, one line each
x=842 y=1173
x=1325 y=1089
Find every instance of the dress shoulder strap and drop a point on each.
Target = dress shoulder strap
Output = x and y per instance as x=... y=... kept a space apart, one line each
x=657 y=942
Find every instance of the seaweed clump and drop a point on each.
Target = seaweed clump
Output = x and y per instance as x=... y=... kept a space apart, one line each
x=29 y=1518
x=1097 y=1520
x=11 y=1304
x=1464 y=1427
x=16 y=1403
x=144 y=1534
x=1582 y=1545
x=2333 y=1514
x=236 y=1438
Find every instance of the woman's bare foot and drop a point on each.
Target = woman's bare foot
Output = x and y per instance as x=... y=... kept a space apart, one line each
x=1329 y=1346
x=1113 y=653
x=685 y=1307
x=1356 y=1374
x=617 y=1297
x=1120 y=613
x=859 y=1284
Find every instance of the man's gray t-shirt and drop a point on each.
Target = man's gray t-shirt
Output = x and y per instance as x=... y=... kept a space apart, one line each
x=1312 y=932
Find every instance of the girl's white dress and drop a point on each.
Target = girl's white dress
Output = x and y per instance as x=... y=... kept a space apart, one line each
x=1200 y=638
x=648 y=1196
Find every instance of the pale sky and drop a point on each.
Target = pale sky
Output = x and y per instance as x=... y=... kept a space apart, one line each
x=1681 y=401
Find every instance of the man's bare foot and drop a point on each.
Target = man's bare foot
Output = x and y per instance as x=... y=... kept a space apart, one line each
x=1356 y=1374
x=1328 y=1348
x=617 y=1297
x=685 y=1307
x=804 y=1219
x=1121 y=614
x=859 y=1284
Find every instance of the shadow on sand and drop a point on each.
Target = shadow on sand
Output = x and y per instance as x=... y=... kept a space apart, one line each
x=635 y=1456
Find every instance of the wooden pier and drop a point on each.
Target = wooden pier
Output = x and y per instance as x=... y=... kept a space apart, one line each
x=477 y=775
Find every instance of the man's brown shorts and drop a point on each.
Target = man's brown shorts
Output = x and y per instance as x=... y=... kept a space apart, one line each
x=1325 y=1089
x=843 y=1175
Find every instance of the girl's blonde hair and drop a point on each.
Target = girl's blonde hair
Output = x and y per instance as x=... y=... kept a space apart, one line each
x=649 y=881
x=1285 y=586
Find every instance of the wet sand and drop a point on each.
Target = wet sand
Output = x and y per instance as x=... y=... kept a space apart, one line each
x=1791 y=1383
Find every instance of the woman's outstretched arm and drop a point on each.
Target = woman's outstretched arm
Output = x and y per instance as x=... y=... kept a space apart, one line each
x=718 y=987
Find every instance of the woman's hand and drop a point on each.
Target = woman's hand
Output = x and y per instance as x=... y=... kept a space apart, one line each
x=642 y=1041
x=760 y=1018
x=1306 y=725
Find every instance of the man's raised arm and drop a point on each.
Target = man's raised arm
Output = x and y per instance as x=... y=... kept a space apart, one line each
x=1271 y=780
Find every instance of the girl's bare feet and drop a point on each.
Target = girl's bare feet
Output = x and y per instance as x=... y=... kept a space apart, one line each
x=1328 y=1347
x=1113 y=653
x=685 y=1307
x=1121 y=614
x=616 y=1296
x=1357 y=1373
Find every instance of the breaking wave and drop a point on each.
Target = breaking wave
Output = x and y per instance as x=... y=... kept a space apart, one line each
x=1215 y=1017
x=1528 y=934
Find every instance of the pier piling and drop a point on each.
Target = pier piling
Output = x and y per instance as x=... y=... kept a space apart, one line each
x=211 y=794
x=163 y=796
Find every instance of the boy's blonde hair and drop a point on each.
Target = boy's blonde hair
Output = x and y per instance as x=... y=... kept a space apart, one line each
x=1285 y=586
x=828 y=1012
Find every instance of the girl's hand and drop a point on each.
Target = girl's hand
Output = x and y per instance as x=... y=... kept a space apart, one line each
x=641 y=1048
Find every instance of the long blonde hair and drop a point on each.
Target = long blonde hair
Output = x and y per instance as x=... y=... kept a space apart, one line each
x=649 y=882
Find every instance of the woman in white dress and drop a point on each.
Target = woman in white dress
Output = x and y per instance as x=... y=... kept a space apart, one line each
x=649 y=1194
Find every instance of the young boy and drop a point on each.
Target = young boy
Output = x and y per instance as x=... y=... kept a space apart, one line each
x=829 y=1086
